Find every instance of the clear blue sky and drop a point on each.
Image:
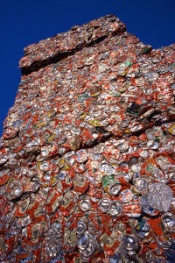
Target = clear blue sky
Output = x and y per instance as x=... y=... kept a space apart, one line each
x=26 y=22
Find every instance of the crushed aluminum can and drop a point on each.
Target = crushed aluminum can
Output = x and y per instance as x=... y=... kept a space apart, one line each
x=168 y=222
x=80 y=184
x=160 y=196
x=130 y=242
x=111 y=185
x=115 y=208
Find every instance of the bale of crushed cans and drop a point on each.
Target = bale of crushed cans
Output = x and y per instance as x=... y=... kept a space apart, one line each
x=87 y=156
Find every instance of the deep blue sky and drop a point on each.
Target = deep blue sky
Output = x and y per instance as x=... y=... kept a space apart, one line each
x=26 y=22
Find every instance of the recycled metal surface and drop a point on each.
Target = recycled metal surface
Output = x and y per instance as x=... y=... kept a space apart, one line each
x=87 y=156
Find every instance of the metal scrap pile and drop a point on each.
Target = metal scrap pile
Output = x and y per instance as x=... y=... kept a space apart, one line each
x=87 y=156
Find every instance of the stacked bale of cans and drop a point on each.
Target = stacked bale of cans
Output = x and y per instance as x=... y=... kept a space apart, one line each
x=87 y=154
